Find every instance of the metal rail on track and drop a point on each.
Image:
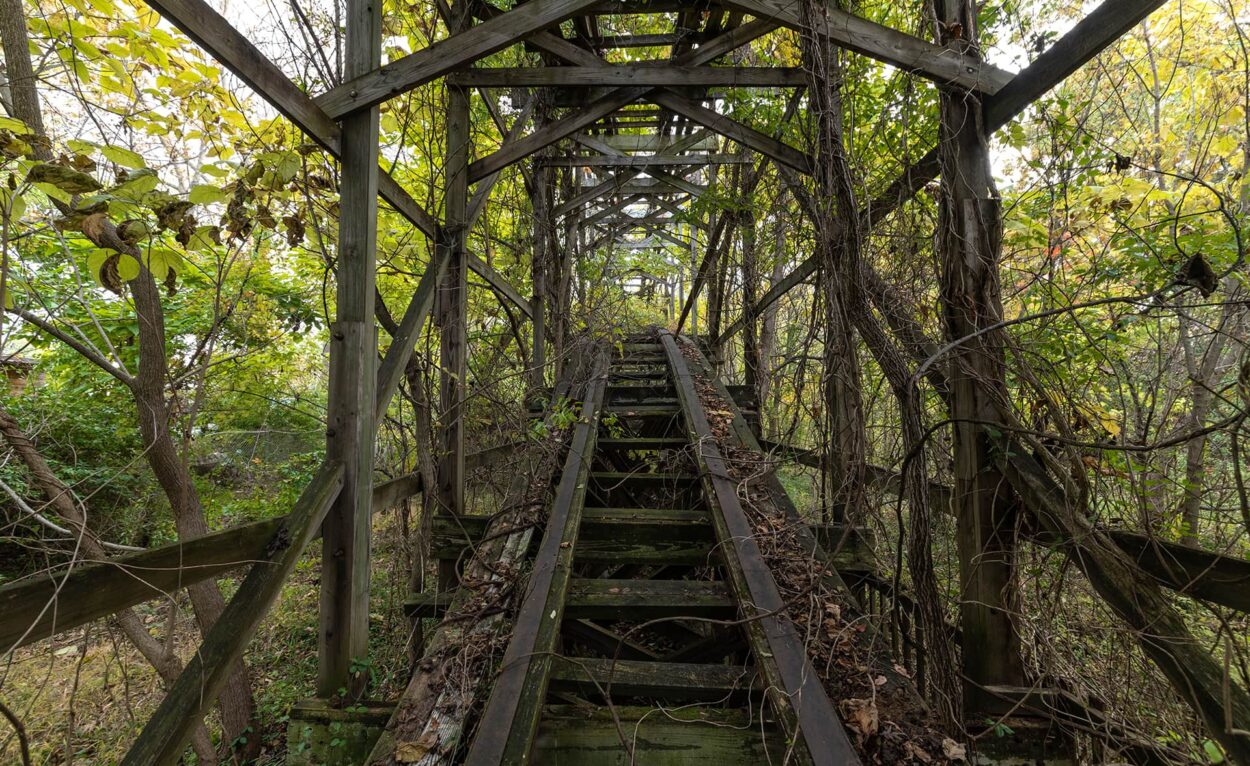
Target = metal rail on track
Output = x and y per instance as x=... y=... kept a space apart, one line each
x=794 y=685
x=508 y=724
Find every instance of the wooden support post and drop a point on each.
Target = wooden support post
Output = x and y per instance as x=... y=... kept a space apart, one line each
x=750 y=336
x=453 y=319
x=970 y=234
x=344 y=634
x=540 y=267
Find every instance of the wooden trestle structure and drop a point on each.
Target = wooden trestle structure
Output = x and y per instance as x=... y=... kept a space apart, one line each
x=622 y=544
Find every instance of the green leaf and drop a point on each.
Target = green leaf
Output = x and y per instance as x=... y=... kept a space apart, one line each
x=123 y=157
x=12 y=205
x=13 y=125
x=95 y=261
x=127 y=268
x=206 y=194
x=204 y=238
x=287 y=167
x=139 y=183
x=60 y=177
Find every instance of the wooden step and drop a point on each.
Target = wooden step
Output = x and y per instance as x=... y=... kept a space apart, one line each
x=634 y=411
x=636 y=678
x=642 y=443
x=700 y=736
x=658 y=375
x=656 y=360
x=640 y=600
x=645 y=526
x=594 y=599
x=668 y=552
x=606 y=478
x=450 y=536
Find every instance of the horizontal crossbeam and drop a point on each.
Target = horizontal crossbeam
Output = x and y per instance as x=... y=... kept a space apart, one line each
x=631 y=74
x=647 y=161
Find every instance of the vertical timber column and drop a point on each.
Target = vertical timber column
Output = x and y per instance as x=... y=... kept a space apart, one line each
x=540 y=259
x=453 y=314
x=750 y=335
x=344 y=634
x=970 y=242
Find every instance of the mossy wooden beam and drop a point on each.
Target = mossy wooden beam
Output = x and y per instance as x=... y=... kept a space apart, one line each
x=66 y=598
x=164 y=737
x=595 y=677
x=798 y=698
x=695 y=736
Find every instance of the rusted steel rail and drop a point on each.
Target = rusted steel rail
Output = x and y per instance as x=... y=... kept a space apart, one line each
x=776 y=644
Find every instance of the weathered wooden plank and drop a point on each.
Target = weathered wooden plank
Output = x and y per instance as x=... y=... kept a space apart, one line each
x=64 y=599
x=622 y=75
x=584 y=161
x=649 y=599
x=667 y=680
x=443 y=56
x=432 y=711
x=665 y=552
x=607 y=104
x=682 y=737
x=701 y=141
x=497 y=283
x=510 y=718
x=164 y=737
x=1091 y=35
x=657 y=40
x=907 y=52
x=480 y=194
x=553 y=131
x=799 y=698
x=643 y=443
x=391 y=370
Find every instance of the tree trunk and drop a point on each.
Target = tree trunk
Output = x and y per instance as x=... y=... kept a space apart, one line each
x=171 y=472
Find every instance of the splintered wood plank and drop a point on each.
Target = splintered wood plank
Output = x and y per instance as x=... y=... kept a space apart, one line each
x=667 y=680
x=670 y=552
